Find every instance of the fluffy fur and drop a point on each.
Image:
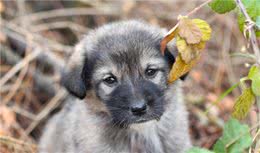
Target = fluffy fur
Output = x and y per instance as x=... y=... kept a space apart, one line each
x=114 y=70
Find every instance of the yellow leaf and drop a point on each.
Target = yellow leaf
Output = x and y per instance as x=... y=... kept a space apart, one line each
x=204 y=27
x=171 y=34
x=191 y=37
x=200 y=46
x=189 y=52
x=180 y=68
x=243 y=104
x=189 y=31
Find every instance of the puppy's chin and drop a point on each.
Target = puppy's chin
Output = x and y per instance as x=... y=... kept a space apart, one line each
x=138 y=123
x=141 y=126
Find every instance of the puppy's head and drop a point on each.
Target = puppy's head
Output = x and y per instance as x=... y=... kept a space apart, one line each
x=122 y=64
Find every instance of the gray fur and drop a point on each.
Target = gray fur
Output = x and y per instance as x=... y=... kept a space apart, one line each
x=85 y=126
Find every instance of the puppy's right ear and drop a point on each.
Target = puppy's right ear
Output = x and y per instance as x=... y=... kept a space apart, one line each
x=72 y=76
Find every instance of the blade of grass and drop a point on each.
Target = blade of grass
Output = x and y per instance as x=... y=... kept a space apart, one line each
x=228 y=91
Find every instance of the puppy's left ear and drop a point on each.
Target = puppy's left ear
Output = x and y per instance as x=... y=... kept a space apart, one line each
x=170 y=54
x=72 y=76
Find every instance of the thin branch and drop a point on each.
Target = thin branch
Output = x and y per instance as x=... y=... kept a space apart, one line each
x=9 y=27
x=66 y=12
x=54 y=102
x=44 y=83
x=250 y=28
x=19 y=66
x=22 y=112
x=18 y=144
x=198 y=8
x=47 y=56
x=60 y=24
x=16 y=85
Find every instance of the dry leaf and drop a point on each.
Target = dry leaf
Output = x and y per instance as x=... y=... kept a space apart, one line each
x=191 y=39
x=180 y=68
x=189 y=31
x=171 y=34
x=204 y=27
x=189 y=52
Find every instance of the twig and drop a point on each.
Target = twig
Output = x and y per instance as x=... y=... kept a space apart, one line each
x=46 y=55
x=246 y=55
x=254 y=139
x=60 y=24
x=250 y=28
x=20 y=78
x=9 y=141
x=19 y=65
x=9 y=27
x=22 y=112
x=66 y=12
x=54 y=102
x=226 y=42
x=16 y=85
x=199 y=7
x=42 y=82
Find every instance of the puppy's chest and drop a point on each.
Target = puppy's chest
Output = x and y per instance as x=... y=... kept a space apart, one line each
x=146 y=142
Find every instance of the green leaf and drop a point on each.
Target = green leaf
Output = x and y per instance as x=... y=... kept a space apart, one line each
x=198 y=150
x=254 y=75
x=235 y=139
x=243 y=104
x=253 y=10
x=222 y=6
x=257 y=22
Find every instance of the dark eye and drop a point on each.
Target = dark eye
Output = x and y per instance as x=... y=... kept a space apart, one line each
x=151 y=72
x=110 y=80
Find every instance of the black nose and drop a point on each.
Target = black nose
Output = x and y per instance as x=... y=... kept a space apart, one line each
x=139 y=108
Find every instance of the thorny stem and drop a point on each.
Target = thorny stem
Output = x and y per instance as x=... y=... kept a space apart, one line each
x=251 y=31
x=252 y=37
x=199 y=7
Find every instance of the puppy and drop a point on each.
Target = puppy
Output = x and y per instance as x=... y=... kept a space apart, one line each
x=122 y=102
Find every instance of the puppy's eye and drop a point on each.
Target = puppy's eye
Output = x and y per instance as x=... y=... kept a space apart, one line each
x=110 y=80
x=151 y=72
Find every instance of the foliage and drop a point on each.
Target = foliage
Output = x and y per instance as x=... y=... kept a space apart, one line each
x=222 y=6
x=191 y=36
x=254 y=76
x=235 y=139
x=199 y=150
x=243 y=104
x=253 y=10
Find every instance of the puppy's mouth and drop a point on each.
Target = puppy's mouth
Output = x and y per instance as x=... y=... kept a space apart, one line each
x=144 y=119
x=141 y=120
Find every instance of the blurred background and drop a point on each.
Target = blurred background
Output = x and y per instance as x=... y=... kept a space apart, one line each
x=37 y=38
